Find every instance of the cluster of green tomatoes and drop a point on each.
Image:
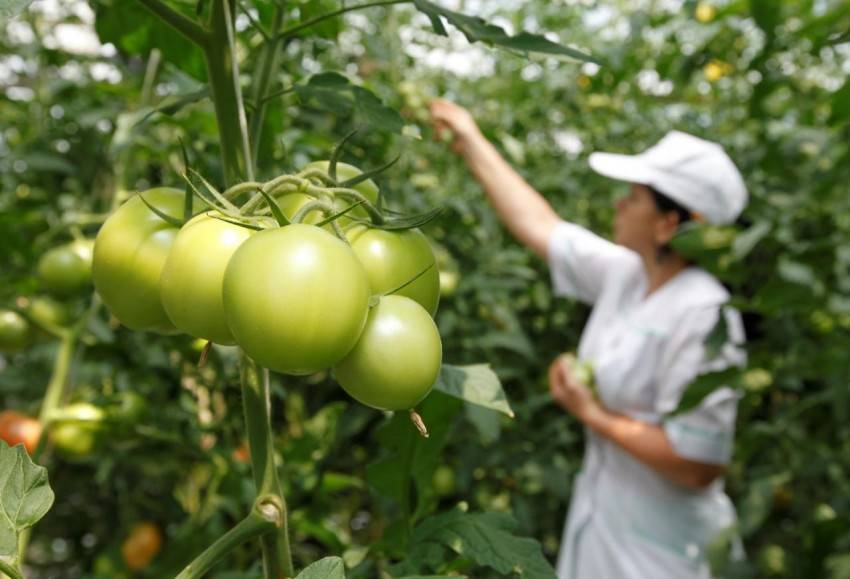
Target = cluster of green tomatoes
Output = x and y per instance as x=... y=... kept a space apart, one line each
x=307 y=274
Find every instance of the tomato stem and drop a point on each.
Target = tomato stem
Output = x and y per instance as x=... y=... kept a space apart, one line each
x=10 y=570
x=268 y=68
x=277 y=559
x=259 y=522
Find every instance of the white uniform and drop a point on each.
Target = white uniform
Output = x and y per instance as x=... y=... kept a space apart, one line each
x=625 y=520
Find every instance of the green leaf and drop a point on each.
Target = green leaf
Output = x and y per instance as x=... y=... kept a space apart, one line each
x=488 y=539
x=333 y=92
x=758 y=502
x=747 y=241
x=172 y=104
x=11 y=8
x=767 y=14
x=339 y=214
x=705 y=385
x=476 y=29
x=477 y=384
x=327 y=568
x=717 y=337
x=410 y=458
x=25 y=496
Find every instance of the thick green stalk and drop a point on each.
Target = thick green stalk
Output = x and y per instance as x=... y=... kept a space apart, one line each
x=232 y=126
x=10 y=570
x=267 y=70
x=261 y=520
x=277 y=559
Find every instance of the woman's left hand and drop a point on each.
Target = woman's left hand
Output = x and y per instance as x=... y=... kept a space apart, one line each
x=570 y=393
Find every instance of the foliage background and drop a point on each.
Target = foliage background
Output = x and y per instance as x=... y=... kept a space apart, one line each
x=767 y=79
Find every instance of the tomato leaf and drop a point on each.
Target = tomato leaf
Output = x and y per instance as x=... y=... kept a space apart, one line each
x=476 y=384
x=704 y=385
x=476 y=29
x=488 y=539
x=333 y=92
x=25 y=496
x=172 y=104
x=327 y=568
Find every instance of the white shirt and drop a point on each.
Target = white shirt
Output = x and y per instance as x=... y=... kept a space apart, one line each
x=626 y=521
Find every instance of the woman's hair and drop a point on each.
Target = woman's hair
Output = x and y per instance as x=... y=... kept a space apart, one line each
x=666 y=205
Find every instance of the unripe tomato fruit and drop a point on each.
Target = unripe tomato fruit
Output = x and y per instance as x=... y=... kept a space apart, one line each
x=397 y=359
x=295 y=298
x=76 y=429
x=66 y=270
x=191 y=282
x=15 y=331
x=17 y=428
x=48 y=312
x=129 y=254
x=443 y=480
x=392 y=258
x=141 y=545
x=291 y=203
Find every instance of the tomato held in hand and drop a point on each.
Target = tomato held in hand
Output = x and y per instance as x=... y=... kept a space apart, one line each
x=17 y=428
x=141 y=545
x=15 y=331
x=397 y=359
x=66 y=270
x=295 y=298
x=190 y=286
x=129 y=254
x=392 y=258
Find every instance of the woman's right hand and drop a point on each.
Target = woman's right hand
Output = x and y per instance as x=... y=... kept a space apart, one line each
x=448 y=116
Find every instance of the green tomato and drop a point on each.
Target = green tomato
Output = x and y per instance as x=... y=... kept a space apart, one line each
x=295 y=298
x=48 y=312
x=392 y=258
x=66 y=270
x=190 y=286
x=127 y=408
x=129 y=253
x=291 y=203
x=15 y=331
x=443 y=480
x=397 y=359
x=77 y=429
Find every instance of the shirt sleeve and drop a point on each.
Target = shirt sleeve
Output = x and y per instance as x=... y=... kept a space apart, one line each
x=705 y=433
x=579 y=261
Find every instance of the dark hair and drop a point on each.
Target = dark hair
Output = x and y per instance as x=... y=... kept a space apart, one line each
x=666 y=205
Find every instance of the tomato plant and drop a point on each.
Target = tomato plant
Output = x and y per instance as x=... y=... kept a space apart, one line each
x=66 y=270
x=393 y=258
x=295 y=298
x=397 y=359
x=15 y=331
x=129 y=254
x=192 y=277
x=290 y=204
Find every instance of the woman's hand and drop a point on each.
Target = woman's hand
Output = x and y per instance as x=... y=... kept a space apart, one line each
x=447 y=116
x=571 y=394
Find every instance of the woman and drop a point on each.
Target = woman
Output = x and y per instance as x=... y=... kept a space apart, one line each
x=649 y=497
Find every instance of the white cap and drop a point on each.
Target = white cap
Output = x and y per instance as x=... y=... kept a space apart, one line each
x=695 y=173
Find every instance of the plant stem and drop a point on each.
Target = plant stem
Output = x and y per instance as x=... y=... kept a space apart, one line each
x=260 y=521
x=10 y=570
x=277 y=559
x=322 y=17
x=268 y=68
x=180 y=22
x=226 y=94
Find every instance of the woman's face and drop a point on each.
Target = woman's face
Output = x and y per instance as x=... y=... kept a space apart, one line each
x=639 y=225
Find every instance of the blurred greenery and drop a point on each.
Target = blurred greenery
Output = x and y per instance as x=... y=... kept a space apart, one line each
x=95 y=97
